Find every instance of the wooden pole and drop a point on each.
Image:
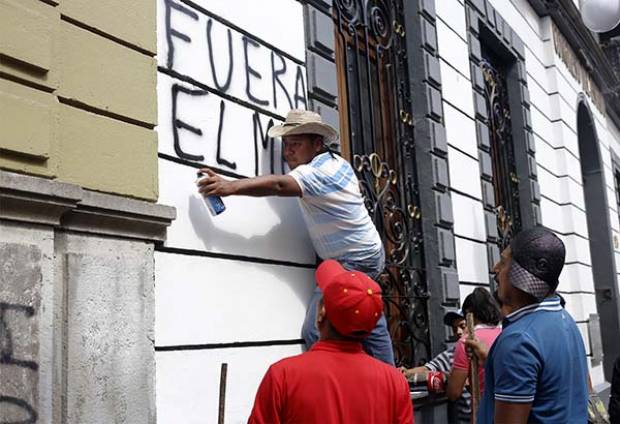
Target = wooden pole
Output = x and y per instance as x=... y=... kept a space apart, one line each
x=474 y=382
x=222 y=401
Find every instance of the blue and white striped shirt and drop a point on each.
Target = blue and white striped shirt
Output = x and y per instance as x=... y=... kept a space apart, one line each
x=333 y=208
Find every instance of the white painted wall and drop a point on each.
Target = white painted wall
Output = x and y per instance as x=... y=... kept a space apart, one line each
x=553 y=94
x=213 y=287
x=217 y=291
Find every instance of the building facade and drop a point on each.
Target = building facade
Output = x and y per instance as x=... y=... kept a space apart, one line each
x=465 y=121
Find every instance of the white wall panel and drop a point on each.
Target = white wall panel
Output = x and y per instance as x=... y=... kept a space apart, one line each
x=604 y=149
x=468 y=217
x=456 y=89
x=561 y=110
x=577 y=248
x=541 y=125
x=464 y=173
x=580 y=305
x=537 y=73
x=572 y=164
x=203 y=300
x=453 y=49
x=583 y=329
x=613 y=219
x=471 y=261
x=268 y=227
x=540 y=99
x=267 y=22
x=561 y=190
x=563 y=219
x=565 y=137
x=460 y=130
x=531 y=17
x=564 y=82
x=548 y=157
x=576 y=277
x=187 y=382
x=452 y=12
x=611 y=199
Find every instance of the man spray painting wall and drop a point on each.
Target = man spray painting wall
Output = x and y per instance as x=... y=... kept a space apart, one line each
x=332 y=205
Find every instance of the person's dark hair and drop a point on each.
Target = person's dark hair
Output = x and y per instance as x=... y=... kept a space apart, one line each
x=481 y=303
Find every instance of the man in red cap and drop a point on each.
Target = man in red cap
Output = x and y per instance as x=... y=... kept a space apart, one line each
x=336 y=381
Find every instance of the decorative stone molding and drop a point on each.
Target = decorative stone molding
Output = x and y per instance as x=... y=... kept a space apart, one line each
x=37 y=200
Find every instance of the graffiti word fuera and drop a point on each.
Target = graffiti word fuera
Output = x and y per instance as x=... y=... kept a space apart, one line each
x=197 y=49
x=7 y=358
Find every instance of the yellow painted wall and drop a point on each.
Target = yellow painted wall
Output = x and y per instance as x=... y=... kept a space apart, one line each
x=78 y=98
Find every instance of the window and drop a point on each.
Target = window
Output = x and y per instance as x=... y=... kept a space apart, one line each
x=505 y=179
x=377 y=137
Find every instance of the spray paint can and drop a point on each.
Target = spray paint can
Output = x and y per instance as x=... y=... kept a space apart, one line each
x=214 y=204
x=435 y=381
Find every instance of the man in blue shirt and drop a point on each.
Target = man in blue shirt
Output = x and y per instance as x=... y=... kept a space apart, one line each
x=536 y=371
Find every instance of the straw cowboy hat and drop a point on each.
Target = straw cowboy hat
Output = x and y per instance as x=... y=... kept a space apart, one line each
x=304 y=122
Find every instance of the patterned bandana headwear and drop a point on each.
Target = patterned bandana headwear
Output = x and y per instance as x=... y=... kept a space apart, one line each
x=537 y=261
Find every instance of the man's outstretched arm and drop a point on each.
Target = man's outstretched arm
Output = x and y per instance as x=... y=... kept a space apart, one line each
x=267 y=185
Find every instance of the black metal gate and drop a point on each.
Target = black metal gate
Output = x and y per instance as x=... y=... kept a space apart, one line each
x=377 y=134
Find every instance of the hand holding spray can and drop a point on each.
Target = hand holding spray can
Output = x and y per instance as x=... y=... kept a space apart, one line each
x=214 y=204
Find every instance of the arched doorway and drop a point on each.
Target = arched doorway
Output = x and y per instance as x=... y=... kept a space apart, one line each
x=601 y=250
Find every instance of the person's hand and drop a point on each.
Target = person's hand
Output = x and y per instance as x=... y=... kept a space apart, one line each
x=409 y=372
x=477 y=348
x=214 y=185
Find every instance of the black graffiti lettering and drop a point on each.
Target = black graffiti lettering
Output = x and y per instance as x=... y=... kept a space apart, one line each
x=249 y=71
x=265 y=141
x=171 y=32
x=300 y=87
x=32 y=414
x=218 y=157
x=224 y=87
x=6 y=339
x=275 y=78
x=179 y=124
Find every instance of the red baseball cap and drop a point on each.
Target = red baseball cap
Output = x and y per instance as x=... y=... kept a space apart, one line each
x=352 y=300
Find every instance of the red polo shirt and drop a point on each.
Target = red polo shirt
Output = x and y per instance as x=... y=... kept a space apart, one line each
x=334 y=382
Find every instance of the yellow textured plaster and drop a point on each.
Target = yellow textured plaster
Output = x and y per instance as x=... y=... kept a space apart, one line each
x=107 y=155
x=28 y=30
x=132 y=21
x=27 y=118
x=105 y=75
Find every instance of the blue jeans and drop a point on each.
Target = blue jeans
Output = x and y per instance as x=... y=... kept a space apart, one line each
x=379 y=343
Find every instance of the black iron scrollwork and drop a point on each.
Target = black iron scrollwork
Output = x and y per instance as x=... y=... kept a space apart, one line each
x=380 y=22
x=349 y=10
x=505 y=179
x=371 y=36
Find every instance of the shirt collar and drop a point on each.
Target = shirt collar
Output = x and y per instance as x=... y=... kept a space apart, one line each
x=337 y=346
x=549 y=304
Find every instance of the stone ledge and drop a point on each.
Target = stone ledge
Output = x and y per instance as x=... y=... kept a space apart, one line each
x=119 y=216
x=34 y=199
x=41 y=201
